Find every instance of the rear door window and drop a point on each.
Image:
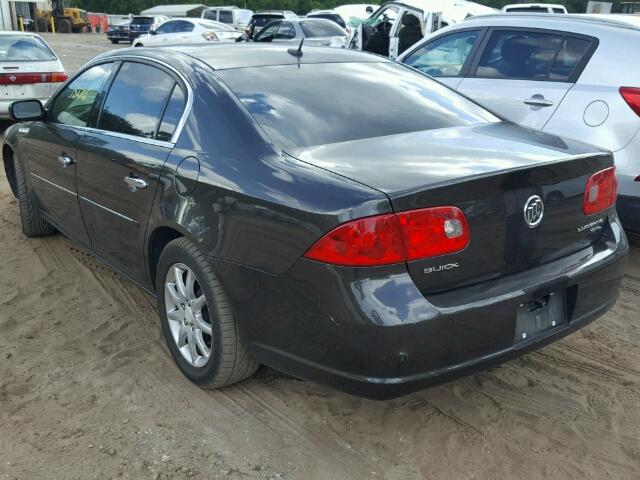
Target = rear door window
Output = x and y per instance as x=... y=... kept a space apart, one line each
x=321 y=28
x=74 y=105
x=531 y=55
x=136 y=100
x=225 y=16
x=172 y=114
x=210 y=15
x=182 y=26
x=444 y=56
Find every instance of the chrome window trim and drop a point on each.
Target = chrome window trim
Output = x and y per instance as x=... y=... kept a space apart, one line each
x=124 y=217
x=54 y=185
x=152 y=141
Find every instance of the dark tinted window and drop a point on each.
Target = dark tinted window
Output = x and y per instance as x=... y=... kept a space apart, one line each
x=366 y=100
x=166 y=27
x=321 y=28
x=444 y=56
x=531 y=55
x=334 y=17
x=210 y=15
x=261 y=20
x=142 y=21
x=529 y=9
x=226 y=16
x=558 y=10
x=172 y=114
x=73 y=106
x=181 y=26
x=136 y=99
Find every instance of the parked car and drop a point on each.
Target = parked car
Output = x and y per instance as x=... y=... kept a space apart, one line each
x=316 y=31
x=534 y=8
x=141 y=25
x=566 y=74
x=30 y=69
x=399 y=24
x=119 y=33
x=386 y=240
x=187 y=30
x=260 y=19
x=331 y=15
x=238 y=18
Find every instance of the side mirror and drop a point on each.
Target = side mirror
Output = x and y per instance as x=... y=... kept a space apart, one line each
x=152 y=31
x=25 y=110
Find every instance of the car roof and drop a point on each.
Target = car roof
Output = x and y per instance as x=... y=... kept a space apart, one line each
x=551 y=22
x=229 y=56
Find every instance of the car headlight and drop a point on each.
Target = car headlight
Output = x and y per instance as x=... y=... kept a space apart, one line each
x=210 y=36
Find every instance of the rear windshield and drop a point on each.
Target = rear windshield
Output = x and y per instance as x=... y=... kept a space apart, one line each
x=262 y=20
x=321 y=28
x=21 y=48
x=334 y=17
x=316 y=104
x=142 y=20
x=528 y=9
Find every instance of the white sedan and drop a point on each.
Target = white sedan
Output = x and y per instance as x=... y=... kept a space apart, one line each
x=187 y=30
x=30 y=69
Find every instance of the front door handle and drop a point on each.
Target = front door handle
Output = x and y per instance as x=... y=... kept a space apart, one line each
x=538 y=101
x=135 y=183
x=65 y=160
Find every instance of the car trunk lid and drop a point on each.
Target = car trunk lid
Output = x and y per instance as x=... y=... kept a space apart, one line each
x=490 y=172
x=18 y=80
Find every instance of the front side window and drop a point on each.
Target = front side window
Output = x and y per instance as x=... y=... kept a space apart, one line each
x=350 y=101
x=269 y=32
x=321 y=28
x=210 y=15
x=74 y=104
x=226 y=16
x=445 y=56
x=286 y=31
x=135 y=100
x=531 y=55
x=181 y=26
x=386 y=19
x=166 y=27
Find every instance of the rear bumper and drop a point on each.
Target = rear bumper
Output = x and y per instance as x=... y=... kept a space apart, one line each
x=370 y=332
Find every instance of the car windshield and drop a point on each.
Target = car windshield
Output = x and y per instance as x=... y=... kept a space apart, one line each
x=321 y=28
x=142 y=20
x=16 y=48
x=367 y=100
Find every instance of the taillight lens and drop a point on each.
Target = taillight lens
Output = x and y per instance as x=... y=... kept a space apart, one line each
x=601 y=191
x=631 y=95
x=32 y=78
x=394 y=238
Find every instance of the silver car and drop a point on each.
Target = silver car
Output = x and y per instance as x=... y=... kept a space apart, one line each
x=315 y=31
x=570 y=75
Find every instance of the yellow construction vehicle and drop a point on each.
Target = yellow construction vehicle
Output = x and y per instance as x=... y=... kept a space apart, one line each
x=65 y=19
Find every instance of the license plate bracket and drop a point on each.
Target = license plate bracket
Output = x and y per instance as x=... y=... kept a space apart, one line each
x=536 y=317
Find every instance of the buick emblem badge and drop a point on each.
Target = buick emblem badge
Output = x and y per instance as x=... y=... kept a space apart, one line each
x=533 y=211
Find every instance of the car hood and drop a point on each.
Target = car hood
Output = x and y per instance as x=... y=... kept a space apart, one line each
x=403 y=162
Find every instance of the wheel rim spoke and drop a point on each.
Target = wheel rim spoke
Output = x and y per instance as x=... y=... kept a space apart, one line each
x=188 y=316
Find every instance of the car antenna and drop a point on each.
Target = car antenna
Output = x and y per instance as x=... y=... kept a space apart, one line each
x=296 y=52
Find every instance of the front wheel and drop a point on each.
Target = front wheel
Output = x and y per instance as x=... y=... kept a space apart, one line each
x=138 y=45
x=197 y=319
x=114 y=41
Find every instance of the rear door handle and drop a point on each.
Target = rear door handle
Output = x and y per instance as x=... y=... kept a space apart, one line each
x=135 y=183
x=538 y=101
x=65 y=160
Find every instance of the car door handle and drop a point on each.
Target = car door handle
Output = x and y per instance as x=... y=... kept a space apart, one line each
x=65 y=160
x=538 y=101
x=135 y=183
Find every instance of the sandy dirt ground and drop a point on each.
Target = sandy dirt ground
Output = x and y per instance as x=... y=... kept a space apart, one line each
x=88 y=390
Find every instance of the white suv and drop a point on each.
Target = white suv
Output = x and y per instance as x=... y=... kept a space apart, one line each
x=235 y=17
x=570 y=75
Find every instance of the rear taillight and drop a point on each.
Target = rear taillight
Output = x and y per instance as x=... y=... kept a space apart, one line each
x=601 y=191
x=394 y=238
x=210 y=36
x=31 y=78
x=631 y=95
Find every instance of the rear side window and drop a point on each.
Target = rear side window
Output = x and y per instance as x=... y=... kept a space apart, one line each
x=445 y=56
x=321 y=28
x=531 y=55
x=210 y=15
x=333 y=17
x=74 y=104
x=225 y=16
x=172 y=114
x=23 y=48
x=367 y=100
x=135 y=100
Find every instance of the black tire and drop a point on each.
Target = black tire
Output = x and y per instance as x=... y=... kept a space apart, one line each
x=229 y=361
x=114 y=41
x=33 y=225
x=138 y=45
x=63 y=25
